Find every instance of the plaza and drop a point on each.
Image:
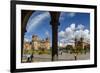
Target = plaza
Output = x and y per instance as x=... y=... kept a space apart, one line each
x=61 y=57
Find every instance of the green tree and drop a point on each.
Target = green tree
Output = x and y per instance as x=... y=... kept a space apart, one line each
x=69 y=48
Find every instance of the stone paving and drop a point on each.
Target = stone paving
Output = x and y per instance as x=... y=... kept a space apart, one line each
x=63 y=57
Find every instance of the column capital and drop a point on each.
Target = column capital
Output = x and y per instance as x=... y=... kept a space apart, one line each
x=54 y=18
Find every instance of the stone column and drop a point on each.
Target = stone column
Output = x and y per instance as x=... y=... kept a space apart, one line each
x=25 y=15
x=54 y=23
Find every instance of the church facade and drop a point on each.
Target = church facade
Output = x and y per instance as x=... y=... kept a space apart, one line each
x=37 y=43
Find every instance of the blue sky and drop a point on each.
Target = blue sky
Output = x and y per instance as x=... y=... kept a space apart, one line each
x=39 y=23
x=67 y=18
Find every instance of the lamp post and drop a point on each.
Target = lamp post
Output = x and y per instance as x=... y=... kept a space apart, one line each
x=54 y=23
x=75 y=47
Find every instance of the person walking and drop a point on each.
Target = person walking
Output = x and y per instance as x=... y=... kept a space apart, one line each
x=31 y=57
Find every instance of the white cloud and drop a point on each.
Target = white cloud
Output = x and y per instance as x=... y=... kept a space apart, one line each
x=72 y=26
x=61 y=34
x=47 y=33
x=71 y=14
x=34 y=22
x=80 y=27
x=86 y=36
x=70 y=33
x=79 y=34
x=26 y=40
x=68 y=30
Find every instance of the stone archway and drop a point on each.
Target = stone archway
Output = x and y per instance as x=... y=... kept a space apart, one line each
x=54 y=23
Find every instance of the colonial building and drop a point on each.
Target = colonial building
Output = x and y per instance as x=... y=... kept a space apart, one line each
x=37 y=43
x=27 y=45
x=81 y=43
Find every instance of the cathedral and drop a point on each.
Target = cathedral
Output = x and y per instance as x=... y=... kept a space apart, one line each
x=82 y=44
x=37 y=43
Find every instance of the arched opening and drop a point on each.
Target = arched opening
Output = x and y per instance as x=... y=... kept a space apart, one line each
x=41 y=27
x=44 y=20
x=73 y=36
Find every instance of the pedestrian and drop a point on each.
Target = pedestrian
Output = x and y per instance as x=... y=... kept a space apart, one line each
x=31 y=57
x=28 y=57
x=75 y=56
x=61 y=52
